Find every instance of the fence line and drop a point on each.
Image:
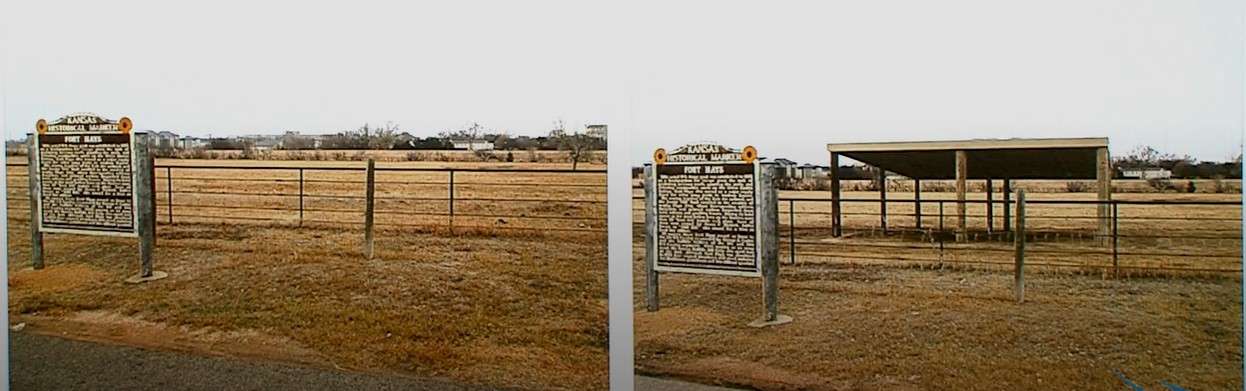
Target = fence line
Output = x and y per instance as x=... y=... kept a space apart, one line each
x=203 y=192
x=1206 y=243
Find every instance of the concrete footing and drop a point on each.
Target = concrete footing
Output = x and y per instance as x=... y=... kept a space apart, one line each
x=778 y=320
x=155 y=275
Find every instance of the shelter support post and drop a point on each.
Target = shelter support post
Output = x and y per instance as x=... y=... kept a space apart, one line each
x=836 y=221
x=990 y=207
x=917 y=202
x=1007 y=204
x=961 y=174
x=882 y=198
x=1019 y=243
x=1103 y=173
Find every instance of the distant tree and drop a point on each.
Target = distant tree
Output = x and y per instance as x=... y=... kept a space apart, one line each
x=295 y=141
x=382 y=137
x=432 y=143
x=224 y=143
x=1145 y=156
x=470 y=132
x=578 y=145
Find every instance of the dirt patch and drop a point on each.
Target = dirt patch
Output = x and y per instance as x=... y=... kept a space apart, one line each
x=734 y=371
x=53 y=279
x=110 y=327
x=675 y=321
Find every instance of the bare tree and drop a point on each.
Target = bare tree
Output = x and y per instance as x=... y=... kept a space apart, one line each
x=383 y=137
x=1146 y=156
x=578 y=145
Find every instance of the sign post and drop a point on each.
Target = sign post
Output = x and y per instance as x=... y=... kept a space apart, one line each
x=712 y=210
x=92 y=176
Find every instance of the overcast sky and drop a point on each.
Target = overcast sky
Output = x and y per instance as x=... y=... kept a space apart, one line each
x=790 y=78
x=785 y=77
x=235 y=67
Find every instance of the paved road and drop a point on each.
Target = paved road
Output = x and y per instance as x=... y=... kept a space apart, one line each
x=50 y=363
x=655 y=384
x=40 y=362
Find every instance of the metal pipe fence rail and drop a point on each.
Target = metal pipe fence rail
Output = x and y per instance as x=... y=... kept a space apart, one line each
x=534 y=200
x=1194 y=236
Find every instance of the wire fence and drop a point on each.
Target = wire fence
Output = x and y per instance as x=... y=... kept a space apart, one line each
x=1200 y=236
x=456 y=199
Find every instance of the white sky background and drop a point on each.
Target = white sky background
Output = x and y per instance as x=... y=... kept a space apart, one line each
x=786 y=77
x=241 y=67
x=789 y=78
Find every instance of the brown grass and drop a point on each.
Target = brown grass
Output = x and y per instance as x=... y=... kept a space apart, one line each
x=905 y=328
x=518 y=156
x=866 y=318
x=484 y=306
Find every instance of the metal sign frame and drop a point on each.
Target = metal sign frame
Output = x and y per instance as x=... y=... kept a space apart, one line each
x=37 y=171
x=757 y=215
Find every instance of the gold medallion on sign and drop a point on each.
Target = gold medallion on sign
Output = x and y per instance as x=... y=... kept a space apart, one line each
x=659 y=156
x=124 y=124
x=749 y=154
x=41 y=126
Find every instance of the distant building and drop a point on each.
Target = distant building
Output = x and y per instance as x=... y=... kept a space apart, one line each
x=787 y=168
x=266 y=143
x=188 y=142
x=166 y=140
x=471 y=144
x=404 y=140
x=1147 y=173
x=596 y=131
x=809 y=171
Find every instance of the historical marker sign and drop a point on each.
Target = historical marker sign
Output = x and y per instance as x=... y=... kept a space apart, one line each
x=90 y=175
x=85 y=168
x=707 y=211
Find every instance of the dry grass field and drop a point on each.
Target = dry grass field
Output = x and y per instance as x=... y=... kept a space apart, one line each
x=423 y=155
x=893 y=311
x=485 y=305
x=872 y=327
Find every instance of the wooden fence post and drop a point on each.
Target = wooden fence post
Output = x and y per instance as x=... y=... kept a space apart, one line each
x=791 y=230
x=300 y=197
x=168 y=178
x=451 y=188
x=367 y=217
x=1116 y=270
x=1019 y=242
x=32 y=173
